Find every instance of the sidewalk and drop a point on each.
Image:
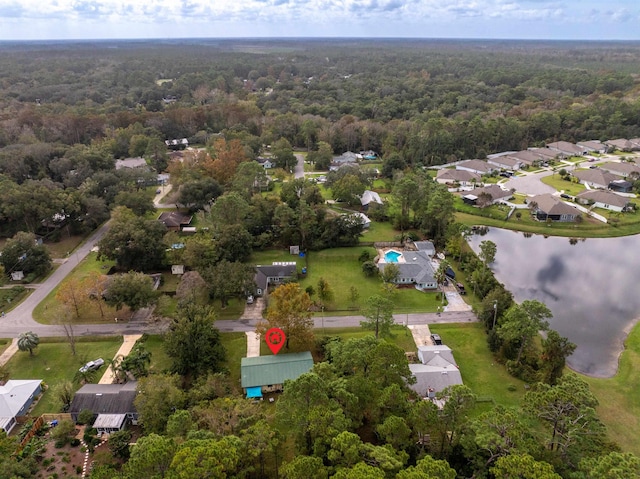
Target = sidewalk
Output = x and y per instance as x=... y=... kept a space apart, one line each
x=253 y=344
x=9 y=352
x=128 y=341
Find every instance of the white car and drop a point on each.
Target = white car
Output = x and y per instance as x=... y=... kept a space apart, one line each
x=92 y=365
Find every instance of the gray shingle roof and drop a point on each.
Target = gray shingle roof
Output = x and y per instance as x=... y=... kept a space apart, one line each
x=105 y=398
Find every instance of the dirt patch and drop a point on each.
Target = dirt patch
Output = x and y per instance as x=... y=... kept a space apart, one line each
x=61 y=462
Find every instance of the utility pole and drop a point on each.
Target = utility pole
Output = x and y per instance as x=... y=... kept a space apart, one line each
x=495 y=313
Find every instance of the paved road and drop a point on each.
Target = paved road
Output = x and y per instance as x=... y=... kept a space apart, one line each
x=244 y=325
x=298 y=171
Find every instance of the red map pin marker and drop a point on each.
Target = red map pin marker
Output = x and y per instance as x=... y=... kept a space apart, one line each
x=275 y=339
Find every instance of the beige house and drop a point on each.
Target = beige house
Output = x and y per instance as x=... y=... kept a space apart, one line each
x=462 y=177
x=604 y=199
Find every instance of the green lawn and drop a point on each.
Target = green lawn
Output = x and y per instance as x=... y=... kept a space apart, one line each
x=53 y=362
x=379 y=231
x=568 y=187
x=4 y=344
x=160 y=362
x=619 y=400
x=236 y=347
x=486 y=378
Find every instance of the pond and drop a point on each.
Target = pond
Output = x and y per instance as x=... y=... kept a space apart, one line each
x=590 y=286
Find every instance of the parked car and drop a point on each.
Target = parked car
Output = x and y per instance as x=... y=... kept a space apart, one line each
x=249 y=299
x=461 y=289
x=92 y=365
x=436 y=339
x=565 y=196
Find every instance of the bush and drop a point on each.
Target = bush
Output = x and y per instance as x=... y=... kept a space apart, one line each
x=75 y=442
x=369 y=268
x=86 y=417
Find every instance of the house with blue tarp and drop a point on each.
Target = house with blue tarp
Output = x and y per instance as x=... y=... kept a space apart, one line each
x=264 y=374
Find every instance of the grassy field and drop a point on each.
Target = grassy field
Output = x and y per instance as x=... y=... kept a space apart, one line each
x=486 y=378
x=50 y=310
x=619 y=399
x=53 y=362
x=341 y=268
x=4 y=344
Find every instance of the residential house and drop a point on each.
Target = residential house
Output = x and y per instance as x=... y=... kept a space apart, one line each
x=621 y=168
x=111 y=404
x=426 y=246
x=621 y=186
x=369 y=197
x=264 y=374
x=480 y=167
x=621 y=144
x=506 y=163
x=595 y=178
x=604 y=199
x=137 y=162
x=436 y=371
x=447 y=176
x=16 y=397
x=567 y=149
x=177 y=144
x=364 y=219
x=527 y=157
x=347 y=157
x=414 y=268
x=276 y=273
x=546 y=154
x=549 y=207
x=593 y=146
x=496 y=194
x=175 y=220
x=266 y=163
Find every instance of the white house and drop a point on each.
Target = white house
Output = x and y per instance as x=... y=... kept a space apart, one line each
x=480 y=167
x=604 y=199
x=16 y=396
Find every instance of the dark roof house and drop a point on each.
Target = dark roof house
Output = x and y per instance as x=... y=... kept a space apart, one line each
x=175 y=220
x=276 y=273
x=111 y=403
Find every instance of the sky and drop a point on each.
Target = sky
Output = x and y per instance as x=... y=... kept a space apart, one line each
x=132 y=19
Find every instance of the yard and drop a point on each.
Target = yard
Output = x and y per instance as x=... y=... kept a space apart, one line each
x=488 y=379
x=53 y=362
x=568 y=187
x=10 y=298
x=342 y=270
x=50 y=310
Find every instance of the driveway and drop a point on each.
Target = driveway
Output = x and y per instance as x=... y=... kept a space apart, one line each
x=298 y=171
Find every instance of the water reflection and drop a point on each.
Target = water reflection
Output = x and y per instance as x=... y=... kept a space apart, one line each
x=589 y=286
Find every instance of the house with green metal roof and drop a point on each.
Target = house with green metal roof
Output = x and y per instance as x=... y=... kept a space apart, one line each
x=268 y=373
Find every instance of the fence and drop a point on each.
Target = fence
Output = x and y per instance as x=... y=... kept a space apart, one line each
x=38 y=423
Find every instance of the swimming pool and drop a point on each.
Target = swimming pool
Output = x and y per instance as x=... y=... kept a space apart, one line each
x=392 y=256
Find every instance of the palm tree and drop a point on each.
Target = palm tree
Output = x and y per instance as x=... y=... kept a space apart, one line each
x=28 y=341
